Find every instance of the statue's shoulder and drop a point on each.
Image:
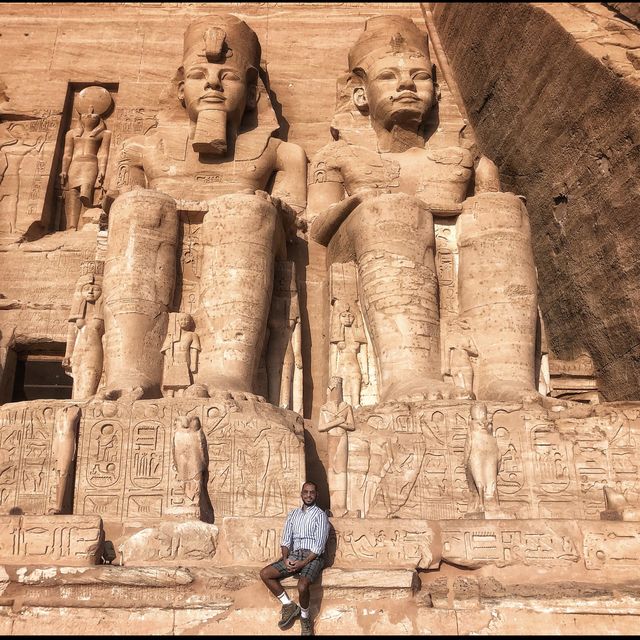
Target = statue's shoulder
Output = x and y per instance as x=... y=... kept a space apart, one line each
x=132 y=148
x=331 y=152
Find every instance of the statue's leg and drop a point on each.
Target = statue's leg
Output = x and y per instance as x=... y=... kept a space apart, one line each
x=139 y=277
x=72 y=208
x=235 y=289
x=498 y=294
x=393 y=240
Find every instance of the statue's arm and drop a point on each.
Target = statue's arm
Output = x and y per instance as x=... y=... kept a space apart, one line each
x=67 y=156
x=130 y=171
x=291 y=165
x=72 y=333
x=103 y=155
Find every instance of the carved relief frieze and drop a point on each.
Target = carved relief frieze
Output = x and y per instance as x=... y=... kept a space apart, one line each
x=144 y=462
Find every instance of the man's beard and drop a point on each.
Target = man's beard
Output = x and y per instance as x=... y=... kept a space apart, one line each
x=211 y=132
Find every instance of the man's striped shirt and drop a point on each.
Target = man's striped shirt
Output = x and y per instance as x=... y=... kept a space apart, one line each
x=306 y=528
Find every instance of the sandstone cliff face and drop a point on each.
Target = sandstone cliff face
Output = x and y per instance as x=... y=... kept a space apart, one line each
x=552 y=92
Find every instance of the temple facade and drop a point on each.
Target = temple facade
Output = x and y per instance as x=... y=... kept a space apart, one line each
x=389 y=248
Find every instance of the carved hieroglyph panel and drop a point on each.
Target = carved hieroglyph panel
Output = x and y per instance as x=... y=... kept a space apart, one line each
x=506 y=542
x=50 y=540
x=255 y=452
x=184 y=543
x=447 y=259
x=408 y=460
x=572 y=544
x=27 y=476
x=352 y=542
x=27 y=162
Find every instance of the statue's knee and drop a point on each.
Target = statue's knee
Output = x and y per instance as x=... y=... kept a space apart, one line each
x=394 y=208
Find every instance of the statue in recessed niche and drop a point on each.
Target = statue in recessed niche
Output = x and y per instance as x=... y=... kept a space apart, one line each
x=213 y=150
x=374 y=193
x=86 y=151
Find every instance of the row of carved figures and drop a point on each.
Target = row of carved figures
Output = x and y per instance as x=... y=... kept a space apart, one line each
x=481 y=455
x=282 y=358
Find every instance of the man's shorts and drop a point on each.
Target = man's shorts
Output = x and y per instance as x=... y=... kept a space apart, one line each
x=310 y=571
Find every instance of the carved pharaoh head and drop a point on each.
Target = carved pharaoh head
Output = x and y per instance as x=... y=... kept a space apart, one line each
x=391 y=71
x=220 y=67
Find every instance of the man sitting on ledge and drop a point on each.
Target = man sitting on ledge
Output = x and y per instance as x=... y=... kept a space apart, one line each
x=303 y=540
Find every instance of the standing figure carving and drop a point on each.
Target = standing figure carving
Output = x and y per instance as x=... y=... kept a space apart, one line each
x=86 y=151
x=482 y=459
x=65 y=432
x=190 y=461
x=349 y=348
x=83 y=357
x=336 y=418
x=374 y=194
x=284 y=345
x=212 y=147
x=14 y=147
x=460 y=349
x=180 y=349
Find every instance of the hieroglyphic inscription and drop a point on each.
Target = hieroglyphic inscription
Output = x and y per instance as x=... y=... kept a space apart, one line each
x=68 y=540
x=255 y=457
x=503 y=543
x=353 y=542
x=408 y=461
x=27 y=474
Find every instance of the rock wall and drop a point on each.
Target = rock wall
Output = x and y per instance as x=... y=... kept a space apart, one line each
x=552 y=93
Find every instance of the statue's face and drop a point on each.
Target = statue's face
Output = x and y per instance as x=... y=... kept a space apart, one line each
x=347 y=318
x=217 y=87
x=90 y=120
x=91 y=292
x=398 y=88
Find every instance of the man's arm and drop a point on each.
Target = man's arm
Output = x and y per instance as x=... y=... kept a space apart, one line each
x=286 y=541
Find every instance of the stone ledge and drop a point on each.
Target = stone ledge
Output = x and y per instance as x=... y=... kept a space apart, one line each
x=364 y=579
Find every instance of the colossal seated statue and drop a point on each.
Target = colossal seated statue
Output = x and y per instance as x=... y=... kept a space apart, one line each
x=212 y=153
x=373 y=199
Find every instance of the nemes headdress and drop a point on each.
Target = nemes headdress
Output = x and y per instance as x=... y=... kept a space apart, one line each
x=384 y=35
x=221 y=38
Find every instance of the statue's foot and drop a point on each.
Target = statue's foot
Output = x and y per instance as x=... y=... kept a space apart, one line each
x=124 y=395
x=419 y=390
x=231 y=389
x=244 y=395
x=505 y=391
